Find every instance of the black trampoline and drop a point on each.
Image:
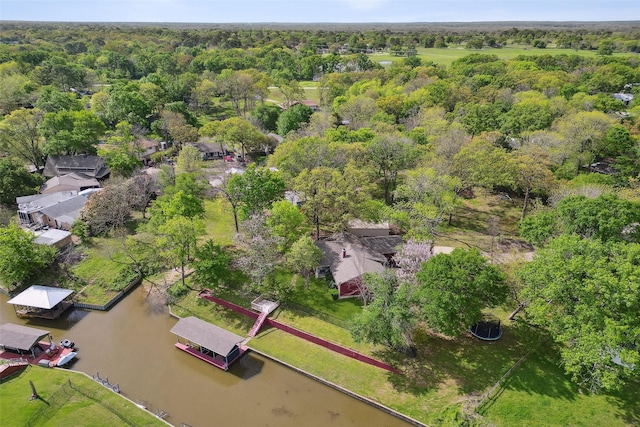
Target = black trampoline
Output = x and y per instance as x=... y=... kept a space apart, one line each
x=487 y=330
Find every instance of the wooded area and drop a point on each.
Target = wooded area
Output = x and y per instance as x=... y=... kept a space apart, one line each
x=410 y=142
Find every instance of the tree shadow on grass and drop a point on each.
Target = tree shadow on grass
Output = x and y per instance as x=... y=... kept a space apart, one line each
x=472 y=364
x=628 y=400
x=542 y=374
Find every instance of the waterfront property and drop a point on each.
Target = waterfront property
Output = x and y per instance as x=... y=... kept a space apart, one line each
x=53 y=210
x=208 y=342
x=41 y=301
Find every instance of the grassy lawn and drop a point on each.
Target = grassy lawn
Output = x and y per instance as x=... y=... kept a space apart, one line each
x=310 y=89
x=436 y=386
x=446 y=374
x=446 y=56
x=219 y=221
x=85 y=403
x=316 y=299
x=471 y=222
x=539 y=394
x=102 y=272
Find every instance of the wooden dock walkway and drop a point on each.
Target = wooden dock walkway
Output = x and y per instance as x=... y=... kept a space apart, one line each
x=258 y=324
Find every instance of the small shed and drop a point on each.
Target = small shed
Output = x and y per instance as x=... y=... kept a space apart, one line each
x=21 y=339
x=41 y=301
x=208 y=342
x=53 y=237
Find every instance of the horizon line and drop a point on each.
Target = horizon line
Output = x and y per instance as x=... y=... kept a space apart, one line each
x=318 y=22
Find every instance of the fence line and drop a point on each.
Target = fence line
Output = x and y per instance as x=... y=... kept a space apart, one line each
x=55 y=402
x=104 y=404
x=475 y=404
x=113 y=300
x=304 y=335
x=327 y=317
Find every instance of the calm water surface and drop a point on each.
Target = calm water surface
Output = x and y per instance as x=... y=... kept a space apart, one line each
x=132 y=346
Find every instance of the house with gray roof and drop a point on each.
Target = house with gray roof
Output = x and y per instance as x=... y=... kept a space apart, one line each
x=210 y=150
x=91 y=166
x=347 y=257
x=624 y=97
x=72 y=181
x=56 y=210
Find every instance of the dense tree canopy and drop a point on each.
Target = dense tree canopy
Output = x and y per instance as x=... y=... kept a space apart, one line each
x=255 y=189
x=285 y=220
x=388 y=318
x=20 y=257
x=410 y=143
x=586 y=293
x=16 y=181
x=455 y=288
x=293 y=118
x=606 y=217
x=19 y=136
x=71 y=132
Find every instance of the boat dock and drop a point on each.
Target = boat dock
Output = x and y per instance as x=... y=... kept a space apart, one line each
x=27 y=344
x=208 y=342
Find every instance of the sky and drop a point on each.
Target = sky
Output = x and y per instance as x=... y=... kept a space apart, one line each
x=309 y=11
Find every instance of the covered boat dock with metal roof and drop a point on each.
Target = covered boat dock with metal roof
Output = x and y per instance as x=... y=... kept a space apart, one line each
x=41 y=301
x=208 y=342
x=21 y=339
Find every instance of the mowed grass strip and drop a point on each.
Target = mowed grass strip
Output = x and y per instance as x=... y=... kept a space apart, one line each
x=61 y=405
x=219 y=221
x=446 y=56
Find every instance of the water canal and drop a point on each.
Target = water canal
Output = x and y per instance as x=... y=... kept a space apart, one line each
x=132 y=346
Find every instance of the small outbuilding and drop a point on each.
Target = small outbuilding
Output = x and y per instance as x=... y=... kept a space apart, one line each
x=53 y=237
x=208 y=342
x=42 y=301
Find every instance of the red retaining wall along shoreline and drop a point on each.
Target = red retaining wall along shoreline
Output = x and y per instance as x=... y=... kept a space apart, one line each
x=300 y=334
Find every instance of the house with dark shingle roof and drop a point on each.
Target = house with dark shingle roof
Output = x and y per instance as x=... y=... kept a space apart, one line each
x=210 y=150
x=91 y=166
x=347 y=257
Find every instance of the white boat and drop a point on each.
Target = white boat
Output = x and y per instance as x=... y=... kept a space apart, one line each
x=66 y=358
